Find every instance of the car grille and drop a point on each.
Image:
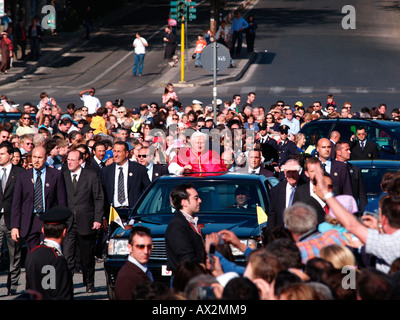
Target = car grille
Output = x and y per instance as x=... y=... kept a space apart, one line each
x=159 y=252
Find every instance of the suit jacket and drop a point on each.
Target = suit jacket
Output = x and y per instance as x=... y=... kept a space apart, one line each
x=370 y=151
x=86 y=201
x=182 y=242
x=138 y=181
x=22 y=205
x=341 y=178
x=264 y=172
x=278 y=202
x=7 y=197
x=321 y=214
x=159 y=170
x=357 y=183
x=269 y=150
x=128 y=278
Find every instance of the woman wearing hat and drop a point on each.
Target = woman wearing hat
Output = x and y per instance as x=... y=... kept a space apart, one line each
x=6 y=52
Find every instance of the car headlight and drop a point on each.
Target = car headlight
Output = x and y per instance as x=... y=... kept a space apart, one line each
x=251 y=243
x=118 y=247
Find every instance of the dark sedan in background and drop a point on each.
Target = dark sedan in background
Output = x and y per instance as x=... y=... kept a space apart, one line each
x=372 y=172
x=386 y=134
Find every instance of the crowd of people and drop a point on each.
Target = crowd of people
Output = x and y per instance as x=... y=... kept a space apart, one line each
x=92 y=156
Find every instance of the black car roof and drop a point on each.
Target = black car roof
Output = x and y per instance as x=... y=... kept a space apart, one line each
x=215 y=176
x=385 y=123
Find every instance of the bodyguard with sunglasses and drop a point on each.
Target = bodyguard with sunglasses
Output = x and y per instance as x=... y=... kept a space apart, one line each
x=135 y=270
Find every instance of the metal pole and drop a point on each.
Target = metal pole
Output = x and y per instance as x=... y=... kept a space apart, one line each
x=183 y=51
x=215 y=80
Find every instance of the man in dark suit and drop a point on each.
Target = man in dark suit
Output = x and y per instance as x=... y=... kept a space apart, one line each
x=316 y=200
x=343 y=154
x=363 y=149
x=123 y=181
x=254 y=165
x=154 y=170
x=36 y=191
x=183 y=239
x=8 y=176
x=99 y=151
x=269 y=147
x=286 y=148
x=338 y=170
x=285 y=193
x=86 y=201
x=334 y=138
x=135 y=270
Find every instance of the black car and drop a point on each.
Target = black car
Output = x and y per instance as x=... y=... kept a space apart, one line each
x=385 y=133
x=372 y=173
x=217 y=193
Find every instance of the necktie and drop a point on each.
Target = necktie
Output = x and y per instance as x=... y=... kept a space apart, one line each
x=326 y=209
x=253 y=172
x=121 y=190
x=37 y=195
x=74 y=181
x=292 y=196
x=362 y=145
x=324 y=166
x=3 y=180
x=101 y=164
x=149 y=274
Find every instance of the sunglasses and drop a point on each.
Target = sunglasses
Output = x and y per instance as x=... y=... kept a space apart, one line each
x=142 y=156
x=142 y=246
x=26 y=118
x=29 y=143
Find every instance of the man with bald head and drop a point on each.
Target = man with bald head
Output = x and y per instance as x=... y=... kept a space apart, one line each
x=36 y=191
x=334 y=138
x=338 y=170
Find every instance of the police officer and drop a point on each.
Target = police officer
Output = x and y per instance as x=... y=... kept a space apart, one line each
x=46 y=269
x=286 y=148
x=269 y=147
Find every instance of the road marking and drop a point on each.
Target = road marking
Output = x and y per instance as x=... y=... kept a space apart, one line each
x=276 y=89
x=305 y=89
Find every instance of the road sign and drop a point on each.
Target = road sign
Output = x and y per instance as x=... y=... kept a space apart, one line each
x=223 y=57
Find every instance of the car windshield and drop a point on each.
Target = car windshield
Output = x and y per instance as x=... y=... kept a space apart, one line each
x=216 y=196
x=372 y=179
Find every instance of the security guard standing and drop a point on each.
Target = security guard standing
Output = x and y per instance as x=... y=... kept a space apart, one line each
x=269 y=147
x=46 y=268
x=286 y=148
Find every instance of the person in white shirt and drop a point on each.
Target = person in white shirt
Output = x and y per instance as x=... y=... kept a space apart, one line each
x=291 y=122
x=140 y=45
x=89 y=100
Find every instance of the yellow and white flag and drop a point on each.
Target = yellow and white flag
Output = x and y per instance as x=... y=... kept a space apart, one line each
x=114 y=217
x=261 y=215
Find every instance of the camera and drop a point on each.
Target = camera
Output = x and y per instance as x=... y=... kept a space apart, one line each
x=211 y=255
x=205 y=293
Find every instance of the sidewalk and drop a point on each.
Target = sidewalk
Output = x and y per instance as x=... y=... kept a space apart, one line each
x=51 y=48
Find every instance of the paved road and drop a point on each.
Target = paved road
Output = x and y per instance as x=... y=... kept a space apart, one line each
x=303 y=53
x=79 y=289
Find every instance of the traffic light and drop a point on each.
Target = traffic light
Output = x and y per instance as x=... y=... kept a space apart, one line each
x=182 y=13
x=178 y=10
x=192 y=10
x=174 y=10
